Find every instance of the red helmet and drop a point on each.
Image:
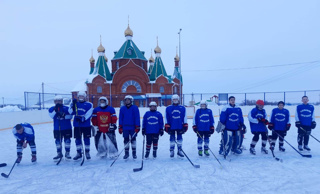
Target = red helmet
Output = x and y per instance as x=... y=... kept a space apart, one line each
x=260 y=102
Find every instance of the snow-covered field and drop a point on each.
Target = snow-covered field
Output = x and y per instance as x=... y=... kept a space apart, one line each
x=244 y=174
x=10 y=109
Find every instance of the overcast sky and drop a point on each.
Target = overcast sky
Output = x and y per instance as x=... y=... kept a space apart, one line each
x=51 y=42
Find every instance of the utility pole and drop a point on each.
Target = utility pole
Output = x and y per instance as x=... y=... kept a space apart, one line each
x=2 y=101
x=42 y=95
x=180 y=66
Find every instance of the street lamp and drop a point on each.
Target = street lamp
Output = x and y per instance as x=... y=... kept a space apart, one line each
x=180 y=65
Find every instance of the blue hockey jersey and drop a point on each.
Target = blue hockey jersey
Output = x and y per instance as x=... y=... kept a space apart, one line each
x=253 y=116
x=280 y=119
x=203 y=119
x=231 y=117
x=129 y=117
x=176 y=116
x=62 y=123
x=152 y=122
x=305 y=114
x=85 y=109
x=28 y=133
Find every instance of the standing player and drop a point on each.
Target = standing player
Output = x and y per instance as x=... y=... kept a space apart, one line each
x=129 y=125
x=152 y=127
x=203 y=126
x=280 y=123
x=81 y=123
x=176 y=123
x=258 y=120
x=104 y=118
x=62 y=128
x=305 y=122
x=24 y=133
x=232 y=118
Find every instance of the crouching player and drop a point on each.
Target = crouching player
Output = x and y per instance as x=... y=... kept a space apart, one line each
x=152 y=127
x=203 y=126
x=24 y=133
x=104 y=119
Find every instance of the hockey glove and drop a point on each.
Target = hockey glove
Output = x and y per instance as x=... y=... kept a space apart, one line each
x=137 y=129
x=288 y=127
x=211 y=129
x=167 y=126
x=120 y=129
x=80 y=118
x=25 y=143
x=143 y=131
x=244 y=129
x=112 y=127
x=185 y=127
x=161 y=132
x=270 y=126
x=195 y=128
x=263 y=120
x=298 y=124
x=313 y=125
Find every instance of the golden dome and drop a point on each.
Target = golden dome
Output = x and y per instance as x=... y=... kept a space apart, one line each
x=91 y=59
x=101 y=48
x=105 y=58
x=151 y=59
x=157 y=49
x=176 y=58
x=128 y=31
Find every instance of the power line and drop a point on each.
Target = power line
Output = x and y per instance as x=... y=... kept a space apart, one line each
x=254 y=67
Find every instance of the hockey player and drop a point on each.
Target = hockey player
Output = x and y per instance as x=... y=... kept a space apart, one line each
x=62 y=128
x=232 y=118
x=280 y=123
x=129 y=125
x=81 y=123
x=152 y=127
x=176 y=124
x=24 y=133
x=258 y=120
x=305 y=122
x=104 y=119
x=203 y=126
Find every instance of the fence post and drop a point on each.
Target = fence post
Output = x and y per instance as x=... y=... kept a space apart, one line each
x=40 y=101
x=25 y=101
x=284 y=97
x=201 y=97
x=264 y=97
x=305 y=93
x=245 y=99
x=183 y=99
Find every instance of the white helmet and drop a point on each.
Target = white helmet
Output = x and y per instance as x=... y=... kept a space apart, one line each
x=175 y=97
x=57 y=97
x=82 y=93
x=203 y=102
x=103 y=98
x=153 y=103
x=128 y=97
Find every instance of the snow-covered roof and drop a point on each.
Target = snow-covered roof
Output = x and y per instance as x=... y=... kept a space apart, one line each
x=81 y=86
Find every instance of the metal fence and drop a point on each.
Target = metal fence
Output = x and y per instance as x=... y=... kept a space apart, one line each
x=36 y=100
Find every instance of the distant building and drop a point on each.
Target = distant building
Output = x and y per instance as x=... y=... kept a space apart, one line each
x=130 y=75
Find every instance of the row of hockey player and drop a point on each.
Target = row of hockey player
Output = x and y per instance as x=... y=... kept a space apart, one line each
x=234 y=129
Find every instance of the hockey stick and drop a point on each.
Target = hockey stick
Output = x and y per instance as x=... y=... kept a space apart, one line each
x=309 y=134
x=3 y=164
x=194 y=165
x=60 y=140
x=80 y=137
x=7 y=175
x=303 y=155
x=139 y=169
x=121 y=152
x=278 y=159
x=210 y=150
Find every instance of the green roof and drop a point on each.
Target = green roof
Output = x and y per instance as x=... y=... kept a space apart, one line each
x=129 y=50
x=177 y=74
x=158 y=69
x=102 y=68
x=150 y=68
x=91 y=70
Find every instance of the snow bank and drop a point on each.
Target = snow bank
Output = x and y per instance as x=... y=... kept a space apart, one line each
x=10 y=109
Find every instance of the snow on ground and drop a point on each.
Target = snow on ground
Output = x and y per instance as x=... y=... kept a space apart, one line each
x=10 y=109
x=244 y=174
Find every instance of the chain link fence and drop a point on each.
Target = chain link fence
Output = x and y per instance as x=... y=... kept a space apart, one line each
x=36 y=100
